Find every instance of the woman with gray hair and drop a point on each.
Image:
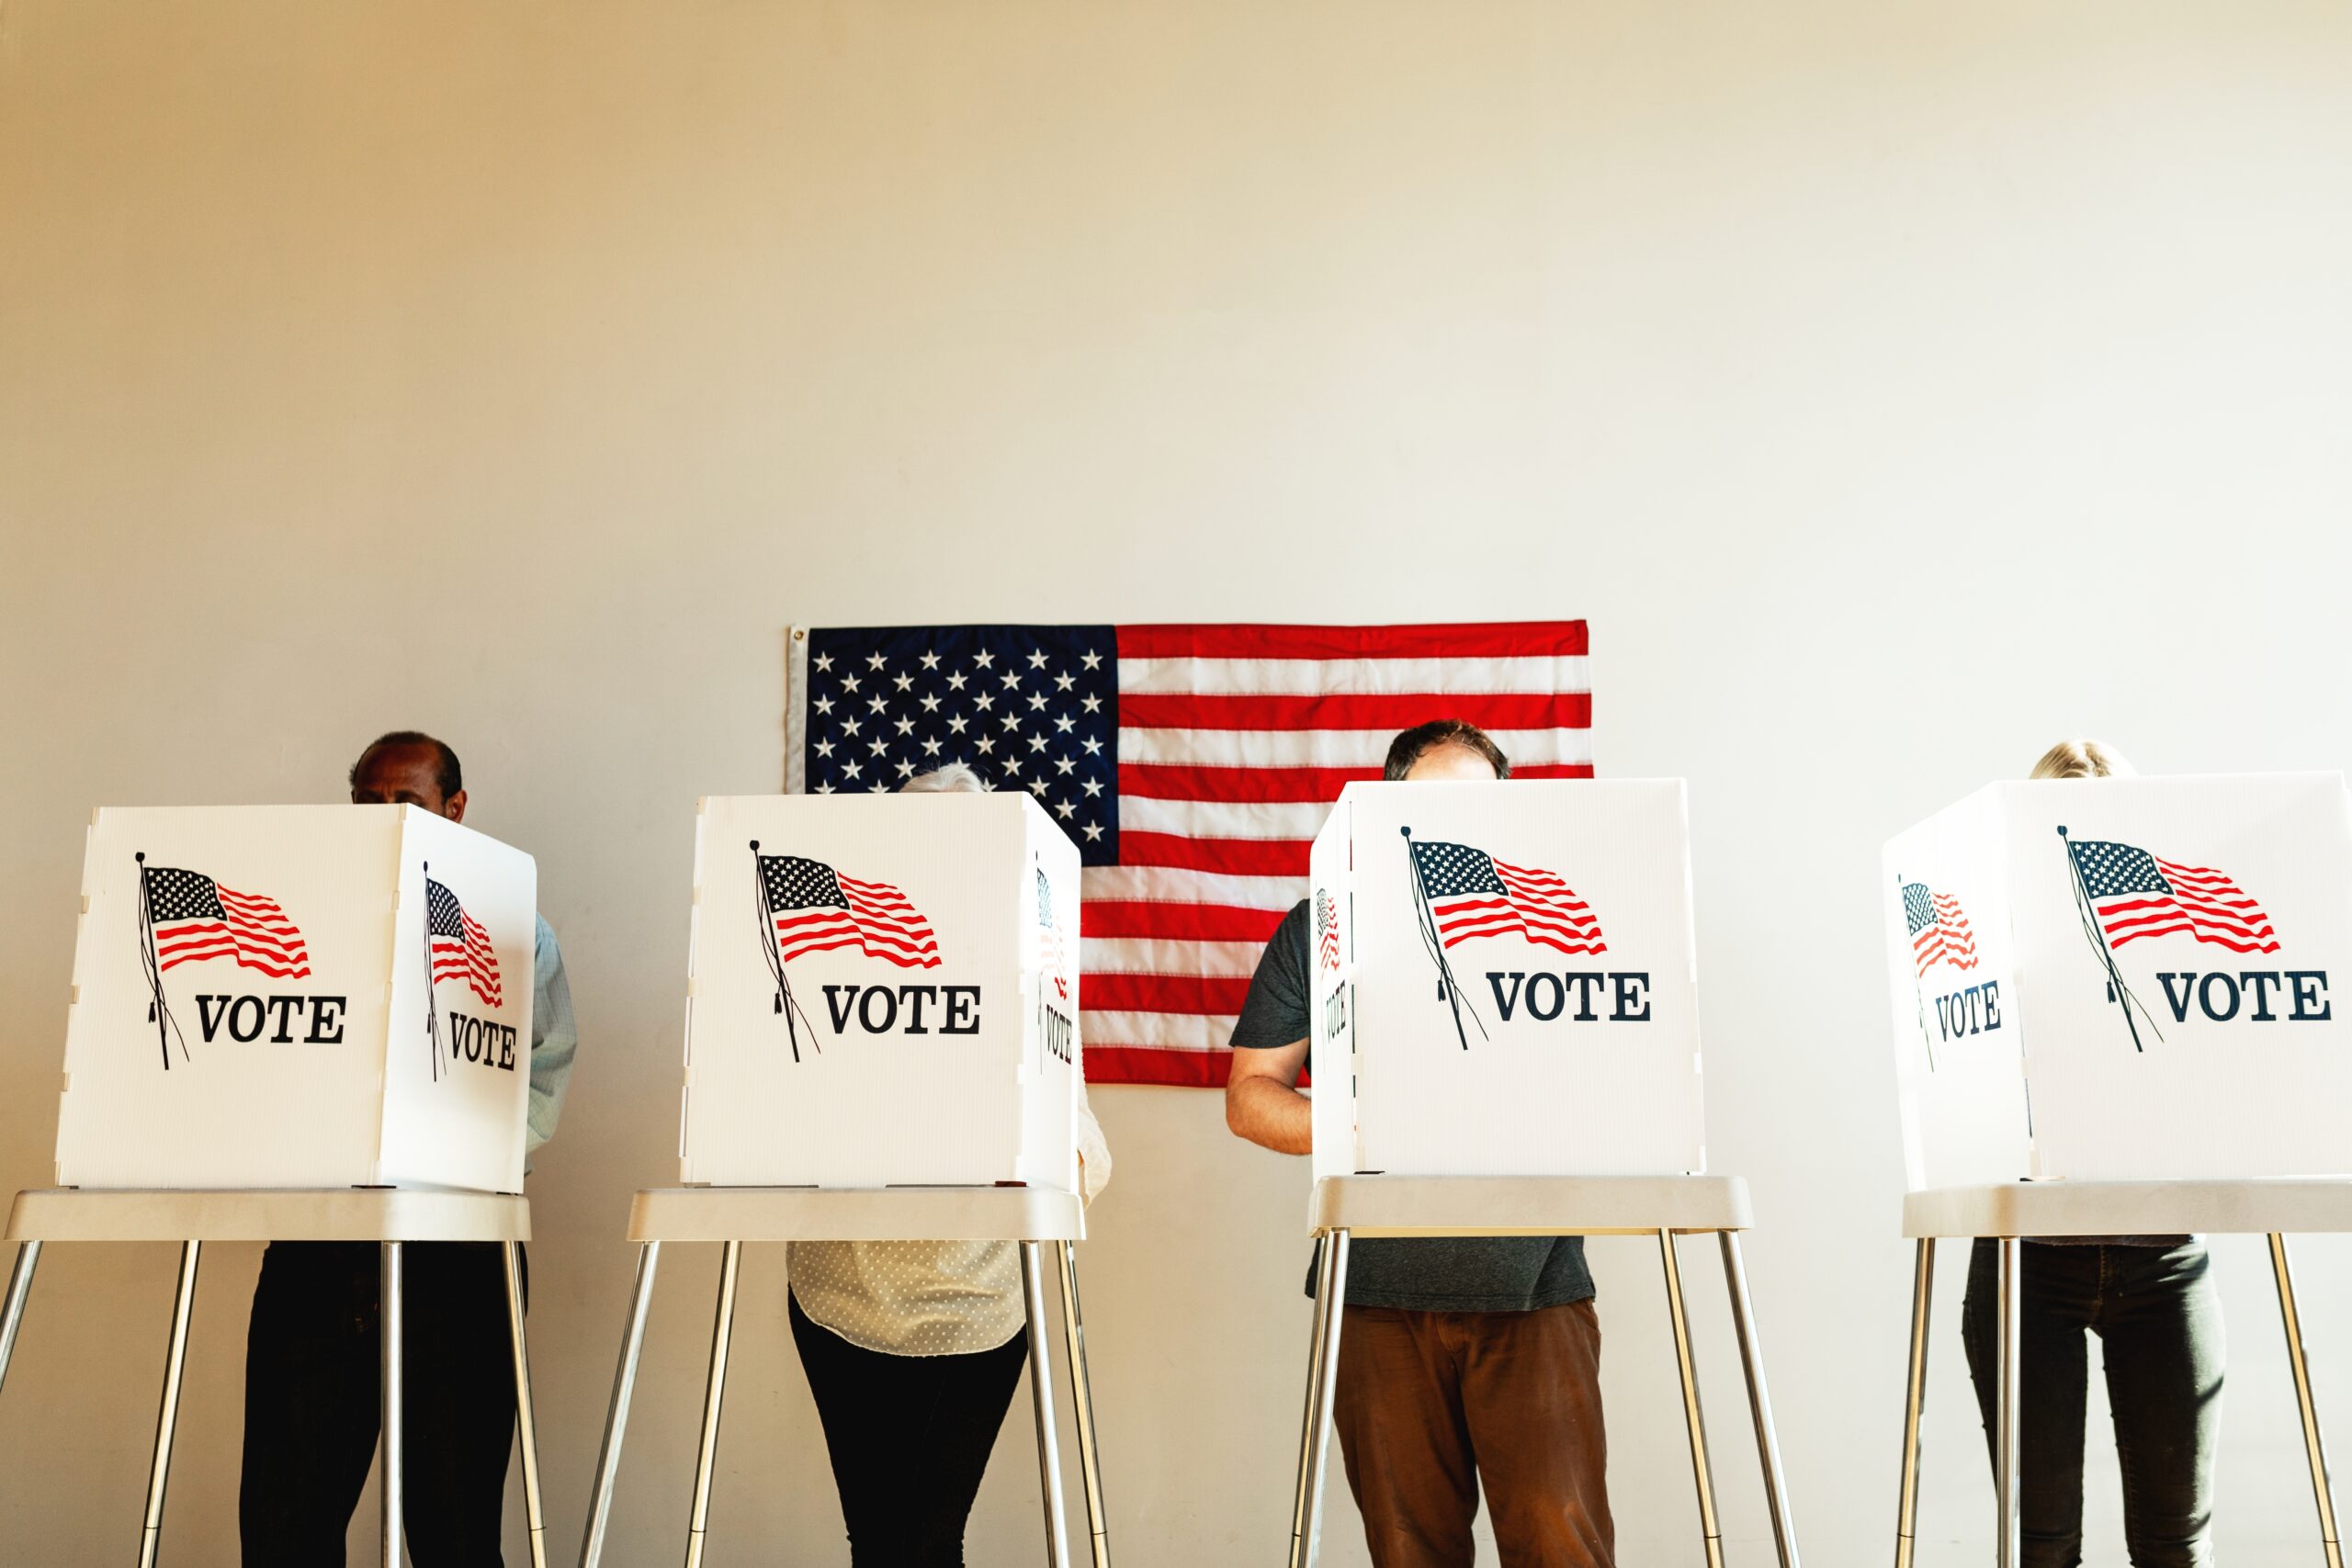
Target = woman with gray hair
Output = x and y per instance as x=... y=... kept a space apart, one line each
x=2150 y=1301
x=913 y=1350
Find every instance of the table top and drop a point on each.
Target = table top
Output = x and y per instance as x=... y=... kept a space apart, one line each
x=337 y=1214
x=2131 y=1208
x=834 y=1214
x=1528 y=1205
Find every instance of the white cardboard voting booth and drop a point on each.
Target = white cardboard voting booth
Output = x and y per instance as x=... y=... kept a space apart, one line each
x=2113 y=979
x=1504 y=981
x=286 y=997
x=883 y=992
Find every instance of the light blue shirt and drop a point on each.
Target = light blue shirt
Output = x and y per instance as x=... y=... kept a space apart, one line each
x=555 y=1038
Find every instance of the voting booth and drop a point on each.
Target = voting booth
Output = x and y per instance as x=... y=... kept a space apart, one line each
x=2105 y=979
x=884 y=991
x=297 y=996
x=1504 y=981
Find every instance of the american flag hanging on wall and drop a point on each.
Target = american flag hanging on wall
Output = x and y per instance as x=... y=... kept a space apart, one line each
x=1192 y=766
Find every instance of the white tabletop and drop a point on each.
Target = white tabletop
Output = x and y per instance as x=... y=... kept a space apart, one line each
x=1528 y=1205
x=2131 y=1208
x=336 y=1214
x=829 y=1213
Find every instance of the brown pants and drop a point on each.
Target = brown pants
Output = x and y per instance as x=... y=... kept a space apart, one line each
x=1431 y=1403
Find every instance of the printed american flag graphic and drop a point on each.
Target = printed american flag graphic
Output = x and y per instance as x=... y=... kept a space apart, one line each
x=1472 y=894
x=1051 y=956
x=1326 y=934
x=1192 y=766
x=817 y=909
x=460 y=947
x=192 y=918
x=1938 y=928
x=2137 y=894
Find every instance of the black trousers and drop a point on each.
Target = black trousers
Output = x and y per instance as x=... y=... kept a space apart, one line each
x=313 y=1380
x=910 y=1438
x=2159 y=1322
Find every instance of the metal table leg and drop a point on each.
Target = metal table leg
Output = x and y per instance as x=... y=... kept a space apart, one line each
x=2011 y=1293
x=1322 y=1381
x=1915 y=1399
x=1710 y=1528
x=1759 y=1400
x=526 y=1434
x=724 y=1326
x=1041 y=1397
x=394 y=1395
x=2323 y=1493
x=168 y=1415
x=20 y=1286
x=1081 y=1395
x=608 y=1452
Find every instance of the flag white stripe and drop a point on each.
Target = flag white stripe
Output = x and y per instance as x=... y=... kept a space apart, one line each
x=1223 y=818
x=1524 y=675
x=1326 y=747
x=1169 y=885
x=1167 y=1030
x=1169 y=955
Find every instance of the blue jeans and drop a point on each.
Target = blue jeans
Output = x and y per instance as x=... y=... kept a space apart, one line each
x=2159 y=1322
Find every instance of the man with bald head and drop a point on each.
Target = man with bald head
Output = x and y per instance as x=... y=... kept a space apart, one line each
x=311 y=1371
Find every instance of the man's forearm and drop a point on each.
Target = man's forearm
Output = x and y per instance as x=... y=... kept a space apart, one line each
x=1272 y=1114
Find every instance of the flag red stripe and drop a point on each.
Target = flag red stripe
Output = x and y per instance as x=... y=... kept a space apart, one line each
x=821 y=918
x=1349 y=710
x=815 y=944
x=245 y=960
x=1187 y=922
x=177 y=930
x=1154 y=1065
x=2199 y=935
x=1232 y=857
x=1164 y=993
x=1160 y=781
x=1478 y=640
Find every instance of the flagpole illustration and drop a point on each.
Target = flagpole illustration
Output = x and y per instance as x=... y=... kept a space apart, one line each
x=432 y=1025
x=159 y=1011
x=2120 y=993
x=1919 y=995
x=785 y=1002
x=1449 y=989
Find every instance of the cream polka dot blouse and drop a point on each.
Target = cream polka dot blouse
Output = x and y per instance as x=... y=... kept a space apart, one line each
x=929 y=1298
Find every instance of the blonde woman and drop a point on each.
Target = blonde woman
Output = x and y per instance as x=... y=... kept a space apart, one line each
x=913 y=1351
x=2150 y=1301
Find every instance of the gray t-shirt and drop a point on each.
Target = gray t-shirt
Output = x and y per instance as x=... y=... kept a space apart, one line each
x=1435 y=1274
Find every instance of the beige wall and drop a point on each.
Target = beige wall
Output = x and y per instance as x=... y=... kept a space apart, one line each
x=1896 y=388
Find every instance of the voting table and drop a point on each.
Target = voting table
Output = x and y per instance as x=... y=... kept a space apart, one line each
x=297 y=1023
x=881 y=1046
x=1347 y=1207
x=1505 y=1043
x=2016 y=1212
x=1034 y=1218
x=2147 y=964
x=391 y=1217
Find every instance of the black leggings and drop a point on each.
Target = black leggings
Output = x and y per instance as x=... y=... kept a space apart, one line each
x=909 y=1437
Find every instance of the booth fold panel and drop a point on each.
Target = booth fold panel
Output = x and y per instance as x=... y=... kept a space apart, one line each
x=892 y=1213
x=404 y=1213
x=1367 y=1206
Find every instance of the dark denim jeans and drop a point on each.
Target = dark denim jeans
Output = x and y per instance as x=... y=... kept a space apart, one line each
x=2159 y=1322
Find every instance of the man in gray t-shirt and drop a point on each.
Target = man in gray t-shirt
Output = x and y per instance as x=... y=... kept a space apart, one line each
x=1461 y=1360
